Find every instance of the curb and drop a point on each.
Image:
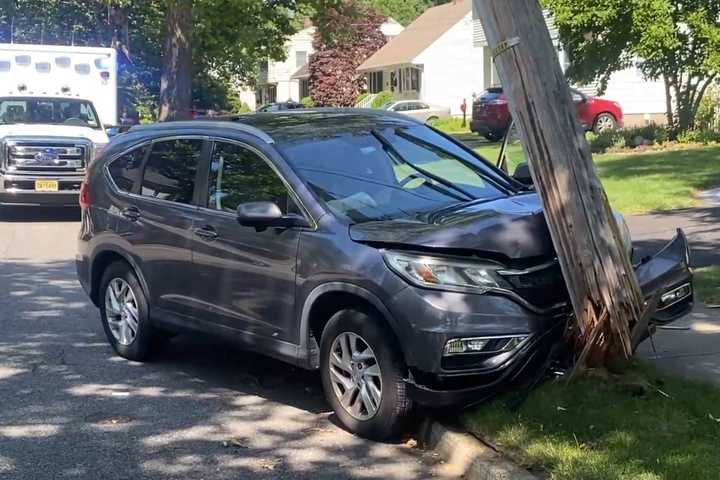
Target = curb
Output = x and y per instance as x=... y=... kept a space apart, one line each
x=473 y=459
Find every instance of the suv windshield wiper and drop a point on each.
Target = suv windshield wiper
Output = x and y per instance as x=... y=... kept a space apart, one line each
x=393 y=151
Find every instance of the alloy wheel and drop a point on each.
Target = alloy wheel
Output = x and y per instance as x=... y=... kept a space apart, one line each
x=605 y=123
x=355 y=375
x=121 y=310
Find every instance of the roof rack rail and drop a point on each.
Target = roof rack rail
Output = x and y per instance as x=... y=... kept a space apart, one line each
x=206 y=123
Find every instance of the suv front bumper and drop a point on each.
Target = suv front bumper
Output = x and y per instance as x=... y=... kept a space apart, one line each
x=437 y=317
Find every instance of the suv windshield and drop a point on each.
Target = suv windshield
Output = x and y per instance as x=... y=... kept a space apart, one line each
x=390 y=172
x=48 y=111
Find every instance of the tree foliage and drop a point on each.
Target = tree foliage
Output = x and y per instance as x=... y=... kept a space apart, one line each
x=229 y=38
x=347 y=34
x=674 y=40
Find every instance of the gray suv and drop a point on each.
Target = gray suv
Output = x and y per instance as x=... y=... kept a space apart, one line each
x=361 y=243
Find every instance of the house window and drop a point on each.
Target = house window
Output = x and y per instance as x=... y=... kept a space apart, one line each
x=271 y=93
x=301 y=57
x=415 y=79
x=304 y=88
x=401 y=80
x=375 y=82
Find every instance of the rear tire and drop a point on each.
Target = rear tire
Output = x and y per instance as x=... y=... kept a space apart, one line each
x=493 y=137
x=377 y=372
x=124 y=313
x=604 y=122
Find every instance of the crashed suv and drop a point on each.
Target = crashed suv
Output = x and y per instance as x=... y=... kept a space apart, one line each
x=402 y=265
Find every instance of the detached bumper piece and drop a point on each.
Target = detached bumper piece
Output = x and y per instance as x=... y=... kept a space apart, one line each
x=668 y=271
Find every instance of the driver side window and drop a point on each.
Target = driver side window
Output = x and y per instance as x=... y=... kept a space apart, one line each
x=239 y=175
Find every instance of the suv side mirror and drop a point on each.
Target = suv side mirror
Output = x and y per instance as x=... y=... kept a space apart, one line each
x=522 y=174
x=266 y=214
x=112 y=131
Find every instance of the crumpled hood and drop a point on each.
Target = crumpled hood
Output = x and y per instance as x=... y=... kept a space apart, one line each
x=514 y=227
x=61 y=131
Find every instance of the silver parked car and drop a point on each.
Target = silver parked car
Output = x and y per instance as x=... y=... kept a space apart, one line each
x=418 y=110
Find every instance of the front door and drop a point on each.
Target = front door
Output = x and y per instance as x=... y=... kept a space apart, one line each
x=246 y=275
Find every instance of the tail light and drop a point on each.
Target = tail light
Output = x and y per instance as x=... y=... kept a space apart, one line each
x=84 y=195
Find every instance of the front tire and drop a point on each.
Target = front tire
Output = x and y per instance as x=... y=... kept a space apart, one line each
x=124 y=313
x=362 y=374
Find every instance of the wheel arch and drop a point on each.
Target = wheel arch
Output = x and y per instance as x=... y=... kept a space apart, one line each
x=326 y=300
x=101 y=260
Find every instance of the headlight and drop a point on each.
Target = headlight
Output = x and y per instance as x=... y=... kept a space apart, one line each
x=98 y=149
x=443 y=273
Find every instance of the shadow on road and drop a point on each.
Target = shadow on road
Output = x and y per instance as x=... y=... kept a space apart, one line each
x=39 y=214
x=71 y=408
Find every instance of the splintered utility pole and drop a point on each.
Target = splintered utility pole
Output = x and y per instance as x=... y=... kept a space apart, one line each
x=604 y=292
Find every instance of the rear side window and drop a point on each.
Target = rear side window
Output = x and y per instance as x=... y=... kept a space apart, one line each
x=239 y=175
x=126 y=170
x=170 y=170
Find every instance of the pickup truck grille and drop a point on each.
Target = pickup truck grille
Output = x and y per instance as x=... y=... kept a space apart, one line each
x=28 y=156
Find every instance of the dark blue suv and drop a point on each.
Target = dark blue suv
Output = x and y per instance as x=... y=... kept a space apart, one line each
x=361 y=243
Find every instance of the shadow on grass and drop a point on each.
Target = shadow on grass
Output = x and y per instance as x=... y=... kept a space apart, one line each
x=71 y=408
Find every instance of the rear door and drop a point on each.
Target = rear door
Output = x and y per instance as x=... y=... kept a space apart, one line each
x=157 y=223
x=246 y=275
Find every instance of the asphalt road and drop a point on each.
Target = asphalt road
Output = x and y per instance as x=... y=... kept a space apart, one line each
x=70 y=408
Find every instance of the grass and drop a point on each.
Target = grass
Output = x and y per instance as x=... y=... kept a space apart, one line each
x=601 y=429
x=707 y=284
x=645 y=182
x=452 y=125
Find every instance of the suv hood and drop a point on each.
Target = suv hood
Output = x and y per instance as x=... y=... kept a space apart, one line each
x=49 y=131
x=513 y=227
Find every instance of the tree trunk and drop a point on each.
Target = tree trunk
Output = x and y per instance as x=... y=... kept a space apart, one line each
x=601 y=283
x=176 y=80
x=668 y=102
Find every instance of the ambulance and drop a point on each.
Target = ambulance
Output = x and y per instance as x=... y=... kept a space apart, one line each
x=55 y=104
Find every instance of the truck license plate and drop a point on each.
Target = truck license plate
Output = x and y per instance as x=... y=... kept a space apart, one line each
x=46 y=185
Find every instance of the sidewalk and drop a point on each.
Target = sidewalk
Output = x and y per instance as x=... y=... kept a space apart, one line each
x=694 y=352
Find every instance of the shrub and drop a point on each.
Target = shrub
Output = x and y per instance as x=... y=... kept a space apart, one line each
x=600 y=143
x=382 y=98
x=646 y=135
x=361 y=97
x=704 y=136
x=307 y=102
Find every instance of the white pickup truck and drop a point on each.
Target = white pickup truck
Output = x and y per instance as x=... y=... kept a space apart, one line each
x=54 y=105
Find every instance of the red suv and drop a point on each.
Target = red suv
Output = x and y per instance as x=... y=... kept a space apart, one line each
x=491 y=115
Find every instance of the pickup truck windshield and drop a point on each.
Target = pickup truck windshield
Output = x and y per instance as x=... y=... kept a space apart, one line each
x=48 y=111
x=389 y=173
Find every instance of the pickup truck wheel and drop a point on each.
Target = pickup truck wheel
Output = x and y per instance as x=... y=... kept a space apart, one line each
x=124 y=312
x=604 y=122
x=362 y=374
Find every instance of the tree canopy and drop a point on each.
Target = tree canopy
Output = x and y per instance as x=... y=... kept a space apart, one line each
x=674 y=40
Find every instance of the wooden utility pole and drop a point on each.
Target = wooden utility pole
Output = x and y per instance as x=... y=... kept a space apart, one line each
x=176 y=79
x=605 y=295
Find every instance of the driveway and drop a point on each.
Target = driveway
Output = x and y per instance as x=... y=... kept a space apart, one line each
x=70 y=408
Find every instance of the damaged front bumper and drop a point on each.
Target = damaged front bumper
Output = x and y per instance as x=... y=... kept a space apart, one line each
x=666 y=274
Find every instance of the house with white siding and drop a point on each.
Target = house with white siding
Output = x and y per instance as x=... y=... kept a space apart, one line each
x=288 y=79
x=443 y=58
x=642 y=101
x=432 y=60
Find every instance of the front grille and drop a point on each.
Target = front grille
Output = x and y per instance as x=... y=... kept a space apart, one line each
x=542 y=286
x=45 y=155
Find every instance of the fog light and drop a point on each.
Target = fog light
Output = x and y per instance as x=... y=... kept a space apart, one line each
x=675 y=295
x=492 y=345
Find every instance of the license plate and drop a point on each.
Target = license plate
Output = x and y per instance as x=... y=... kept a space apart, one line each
x=46 y=185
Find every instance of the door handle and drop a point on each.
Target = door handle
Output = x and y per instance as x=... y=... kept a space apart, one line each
x=131 y=213
x=206 y=232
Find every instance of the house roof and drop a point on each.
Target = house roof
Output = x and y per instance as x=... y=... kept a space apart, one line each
x=302 y=73
x=418 y=36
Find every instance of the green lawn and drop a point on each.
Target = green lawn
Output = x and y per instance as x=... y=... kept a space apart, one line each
x=603 y=429
x=707 y=284
x=641 y=182
x=452 y=125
